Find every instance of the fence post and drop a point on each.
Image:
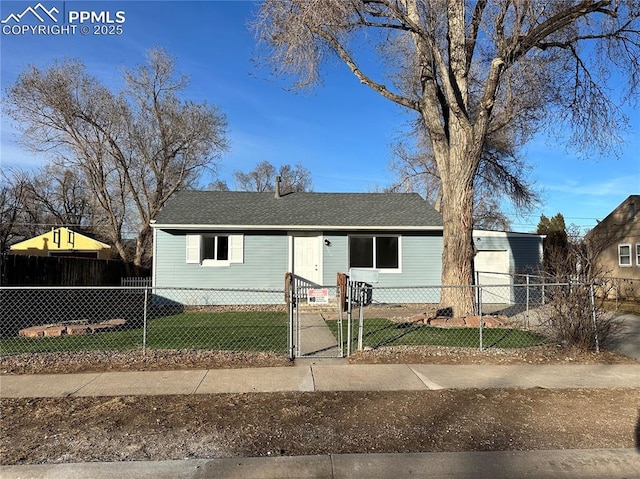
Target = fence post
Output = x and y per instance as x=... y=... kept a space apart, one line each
x=527 y=300
x=340 y=303
x=363 y=294
x=349 y=316
x=593 y=316
x=480 y=316
x=144 y=322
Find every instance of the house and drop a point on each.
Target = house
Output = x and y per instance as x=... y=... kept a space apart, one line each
x=615 y=245
x=241 y=240
x=62 y=242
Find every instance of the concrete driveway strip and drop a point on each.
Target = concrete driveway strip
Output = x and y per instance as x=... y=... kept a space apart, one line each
x=626 y=339
x=148 y=383
x=256 y=380
x=44 y=385
x=366 y=377
x=528 y=376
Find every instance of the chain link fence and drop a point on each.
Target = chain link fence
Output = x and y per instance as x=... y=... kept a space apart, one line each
x=358 y=315
x=504 y=317
x=84 y=319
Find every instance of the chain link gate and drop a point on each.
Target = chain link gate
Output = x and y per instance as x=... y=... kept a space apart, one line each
x=315 y=320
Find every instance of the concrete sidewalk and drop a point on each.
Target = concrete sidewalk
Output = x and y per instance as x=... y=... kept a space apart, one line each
x=336 y=375
x=320 y=376
x=556 y=464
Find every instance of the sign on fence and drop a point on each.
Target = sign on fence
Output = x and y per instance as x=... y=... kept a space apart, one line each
x=318 y=296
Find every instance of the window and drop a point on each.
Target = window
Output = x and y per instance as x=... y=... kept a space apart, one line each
x=380 y=252
x=215 y=247
x=624 y=255
x=637 y=254
x=214 y=250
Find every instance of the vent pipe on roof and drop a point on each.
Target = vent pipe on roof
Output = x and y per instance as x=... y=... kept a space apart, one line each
x=278 y=179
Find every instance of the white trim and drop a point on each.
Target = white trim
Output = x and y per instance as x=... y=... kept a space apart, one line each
x=214 y=263
x=309 y=228
x=630 y=255
x=154 y=260
x=638 y=254
x=504 y=234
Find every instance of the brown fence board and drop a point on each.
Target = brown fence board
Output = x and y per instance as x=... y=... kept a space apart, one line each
x=23 y=270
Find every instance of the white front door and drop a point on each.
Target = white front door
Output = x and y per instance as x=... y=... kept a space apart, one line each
x=307 y=257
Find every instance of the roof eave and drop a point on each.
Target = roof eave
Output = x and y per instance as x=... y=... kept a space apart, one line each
x=293 y=227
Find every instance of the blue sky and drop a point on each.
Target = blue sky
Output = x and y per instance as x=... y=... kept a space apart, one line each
x=341 y=131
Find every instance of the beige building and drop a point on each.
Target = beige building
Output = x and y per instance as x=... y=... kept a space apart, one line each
x=63 y=242
x=615 y=243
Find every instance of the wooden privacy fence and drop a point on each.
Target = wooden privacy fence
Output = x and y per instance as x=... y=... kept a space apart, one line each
x=21 y=270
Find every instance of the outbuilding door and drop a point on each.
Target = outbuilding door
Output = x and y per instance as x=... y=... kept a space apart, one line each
x=492 y=272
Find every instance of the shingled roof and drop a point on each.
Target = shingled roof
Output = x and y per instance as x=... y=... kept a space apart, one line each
x=235 y=210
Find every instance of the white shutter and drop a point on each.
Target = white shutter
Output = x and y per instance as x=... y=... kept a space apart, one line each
x=236 y=248
x=193 y=248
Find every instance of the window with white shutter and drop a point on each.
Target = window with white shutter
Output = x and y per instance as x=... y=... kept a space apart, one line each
x=215 y=250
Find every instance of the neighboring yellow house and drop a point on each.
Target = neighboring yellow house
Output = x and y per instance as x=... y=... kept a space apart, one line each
x=63 y=242
x=615 y=243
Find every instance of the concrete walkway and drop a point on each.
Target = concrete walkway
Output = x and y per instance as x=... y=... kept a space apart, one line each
x=315 y=375
x=315 y=338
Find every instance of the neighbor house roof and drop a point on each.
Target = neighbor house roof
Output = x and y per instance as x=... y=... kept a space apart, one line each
x=620 y=222
x=60 y=238
x=236 y=209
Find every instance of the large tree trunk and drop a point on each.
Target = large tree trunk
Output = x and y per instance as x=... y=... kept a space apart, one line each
x=143 y=248
x=457 y=255
x=457 y=164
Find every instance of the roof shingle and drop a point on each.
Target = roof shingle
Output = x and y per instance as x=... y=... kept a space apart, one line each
x=235 y=208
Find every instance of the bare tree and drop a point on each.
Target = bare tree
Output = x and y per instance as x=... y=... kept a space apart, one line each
x=218 y=185
x=577 y=290
x=261 y=178
x=12 y=196
x=468 y=70
x=500 y=176
x=134 y=149
x=59 y=196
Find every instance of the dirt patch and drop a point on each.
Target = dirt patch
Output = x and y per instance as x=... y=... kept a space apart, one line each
x=229 y=425
x=158 y=360
x=543 y=354
x=153 y=360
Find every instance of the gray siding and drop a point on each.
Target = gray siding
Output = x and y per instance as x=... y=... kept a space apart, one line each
x=421 y=266
x=421 y=261
x=264 y=266
x=525 y=252
x=266 y=263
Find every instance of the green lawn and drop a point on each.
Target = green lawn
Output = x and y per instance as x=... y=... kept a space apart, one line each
x=229 y=331
x=379 y=332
